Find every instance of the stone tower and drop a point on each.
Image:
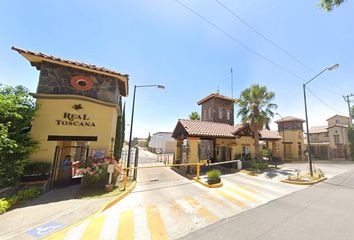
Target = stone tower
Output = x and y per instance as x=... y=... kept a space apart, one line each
x=217 y=108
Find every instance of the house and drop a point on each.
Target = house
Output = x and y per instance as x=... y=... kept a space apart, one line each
x=215 y=137
x=331 y=141
x=162 y=142
x=292 y=131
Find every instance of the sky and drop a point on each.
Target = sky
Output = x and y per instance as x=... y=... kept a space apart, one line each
x=189 y=46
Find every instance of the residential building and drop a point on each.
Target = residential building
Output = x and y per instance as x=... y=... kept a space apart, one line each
x=331 y=141
x=162 y=142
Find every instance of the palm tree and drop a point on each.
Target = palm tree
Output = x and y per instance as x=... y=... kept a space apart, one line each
x=194 y=116
x=256 y=110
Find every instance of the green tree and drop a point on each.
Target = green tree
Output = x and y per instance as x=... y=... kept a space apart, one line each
x=16 y=115
x=328 y=5
x=256 y=109
x=148 y=140
x=120 y=131
x=194 y=116
x=351 y=141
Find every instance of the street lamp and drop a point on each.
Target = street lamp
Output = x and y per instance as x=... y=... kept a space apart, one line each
x=132 y=119
x=307 y=122
x=282 y=119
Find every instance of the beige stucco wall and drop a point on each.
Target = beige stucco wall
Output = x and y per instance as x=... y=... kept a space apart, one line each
x=319 y=137
x=293 y=137
x=341 y=120
x=52 y=110
x=341 y=132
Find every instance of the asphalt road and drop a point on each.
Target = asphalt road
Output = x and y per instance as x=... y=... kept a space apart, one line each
x=323 y=211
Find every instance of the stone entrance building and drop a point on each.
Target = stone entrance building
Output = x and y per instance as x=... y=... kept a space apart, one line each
x=78 y=109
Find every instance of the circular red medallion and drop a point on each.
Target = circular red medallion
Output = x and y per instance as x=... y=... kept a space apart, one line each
x=81 y=83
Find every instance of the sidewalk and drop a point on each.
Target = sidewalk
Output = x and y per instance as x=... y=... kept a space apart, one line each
x=323 y=211
x=53 y=210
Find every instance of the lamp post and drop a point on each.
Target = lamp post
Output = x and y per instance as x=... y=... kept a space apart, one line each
x=283 y=135
x=132 y=119
x=307 y=122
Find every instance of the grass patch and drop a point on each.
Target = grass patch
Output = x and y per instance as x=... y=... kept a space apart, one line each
x=92 y=193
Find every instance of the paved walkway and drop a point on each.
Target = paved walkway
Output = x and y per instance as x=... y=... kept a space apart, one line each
x=55 y=209
x=323 y=211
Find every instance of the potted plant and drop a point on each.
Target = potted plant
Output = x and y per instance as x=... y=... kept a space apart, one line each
x=213 y=176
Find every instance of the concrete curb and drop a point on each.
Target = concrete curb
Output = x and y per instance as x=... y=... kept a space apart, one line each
x=216 y=185
x=302 y=183
x=117 y=199
x=60 y=234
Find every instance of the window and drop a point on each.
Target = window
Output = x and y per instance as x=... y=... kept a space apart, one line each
x=336 y=139
x=228 y=115
x=204 y=114
x=209 y=111
x=337 y=121
x=220 y=113
x=314 y=137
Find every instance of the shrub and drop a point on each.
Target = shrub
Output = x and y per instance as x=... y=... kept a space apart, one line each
x=27 y=194
x=213 y=173
x=94 y=172
x=259 y=165
x=22 y=195
x=37 y=169
x=4 y=205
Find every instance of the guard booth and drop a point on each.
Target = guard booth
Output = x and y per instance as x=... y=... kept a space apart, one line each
x=78 y=109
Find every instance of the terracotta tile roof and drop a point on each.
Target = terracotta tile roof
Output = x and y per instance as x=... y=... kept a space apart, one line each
x=318 y=129
x=214 y=129
x=85 y=65
x=216 y=95
x=269 y=135
x=338 y=125
x=37 y=57
x=210 y=129
x=289 y=118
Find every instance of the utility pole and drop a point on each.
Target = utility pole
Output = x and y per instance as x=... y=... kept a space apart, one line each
x=346 y=98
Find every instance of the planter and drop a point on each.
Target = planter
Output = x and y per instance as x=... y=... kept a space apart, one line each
x=34 y=178
x=109 y=187
x=213 y=180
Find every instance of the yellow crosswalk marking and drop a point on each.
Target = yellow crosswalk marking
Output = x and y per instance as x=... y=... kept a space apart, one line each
x=93 y=229
x=126 y=225
x=202 y=211
x=155 y=223
x=246 y=188
x=231 y=198
x=245 y=196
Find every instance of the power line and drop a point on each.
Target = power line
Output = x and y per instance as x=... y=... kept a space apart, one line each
x=323 y=102
x=272 y=42
x=238 y=42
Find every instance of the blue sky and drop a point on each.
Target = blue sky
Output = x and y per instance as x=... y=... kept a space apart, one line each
x=161 y=42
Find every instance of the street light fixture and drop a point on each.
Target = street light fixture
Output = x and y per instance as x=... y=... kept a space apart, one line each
x=307 y=122
x=132 y=119
x=282 y=119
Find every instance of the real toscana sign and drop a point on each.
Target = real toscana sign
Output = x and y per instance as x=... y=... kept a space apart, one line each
x=78 y=120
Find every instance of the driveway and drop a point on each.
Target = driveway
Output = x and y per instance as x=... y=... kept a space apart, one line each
x=165 y=205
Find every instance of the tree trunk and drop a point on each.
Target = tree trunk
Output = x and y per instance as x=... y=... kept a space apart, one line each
x=256 y=145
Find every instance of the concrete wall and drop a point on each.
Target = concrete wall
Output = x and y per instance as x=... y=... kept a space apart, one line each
x=163 y=141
